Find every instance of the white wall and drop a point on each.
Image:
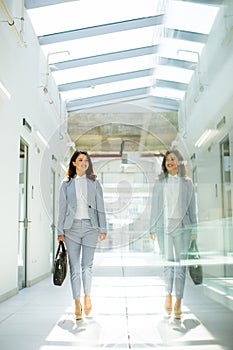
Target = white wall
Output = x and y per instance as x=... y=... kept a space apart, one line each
x=22 y=72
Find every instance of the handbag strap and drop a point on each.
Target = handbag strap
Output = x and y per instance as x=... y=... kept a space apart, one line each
x=193 y=245
x=61 y=246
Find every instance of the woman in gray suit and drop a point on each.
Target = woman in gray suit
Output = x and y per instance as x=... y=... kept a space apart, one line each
x=173 y=223
x=81 y=220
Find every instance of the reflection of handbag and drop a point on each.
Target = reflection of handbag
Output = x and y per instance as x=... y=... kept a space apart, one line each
x=60 y=265
x=195 y=269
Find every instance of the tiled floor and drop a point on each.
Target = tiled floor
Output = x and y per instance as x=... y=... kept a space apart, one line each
x=128 y=299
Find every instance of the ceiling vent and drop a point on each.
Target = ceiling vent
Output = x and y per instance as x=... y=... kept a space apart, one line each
x=221 y=123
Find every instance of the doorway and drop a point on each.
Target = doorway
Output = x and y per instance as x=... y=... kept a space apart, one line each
x=23 y=215
x=226 y=177
x=52 y=216
x=225 y=156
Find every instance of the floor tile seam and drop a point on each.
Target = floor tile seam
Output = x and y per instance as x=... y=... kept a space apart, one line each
x=12 y=313
x=6 y=318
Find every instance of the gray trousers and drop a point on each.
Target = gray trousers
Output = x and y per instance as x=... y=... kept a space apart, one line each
x=176 y=245
x=81 y=240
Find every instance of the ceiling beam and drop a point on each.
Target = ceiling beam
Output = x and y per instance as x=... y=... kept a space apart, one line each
x=101 y=29
x=91 y=83
x=33 y=4
x=165 y=103
x=205 y=2
x=104 y=80
x=177 y=63
x=124 y=96
x=114 y=56
x=186 y=35
x=168 y=84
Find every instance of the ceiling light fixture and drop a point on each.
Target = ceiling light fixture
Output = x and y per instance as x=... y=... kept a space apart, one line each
x=63 y=166
x=206 y=136
x=4 y=92
x=41 y=137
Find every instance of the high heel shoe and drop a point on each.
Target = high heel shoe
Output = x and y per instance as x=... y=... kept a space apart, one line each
x=78 y=310
x=177 y=309
x=87 y=304
x=168 y=304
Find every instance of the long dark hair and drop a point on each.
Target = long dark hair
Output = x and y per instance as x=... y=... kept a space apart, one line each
x=182 y=171
x=71 y=172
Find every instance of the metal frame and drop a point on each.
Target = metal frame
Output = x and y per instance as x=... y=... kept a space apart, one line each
x=101 y=29
x=31 y=4
x=113 y=56
x=124 y=96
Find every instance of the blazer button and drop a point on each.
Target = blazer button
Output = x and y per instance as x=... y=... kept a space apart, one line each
x=89 y=206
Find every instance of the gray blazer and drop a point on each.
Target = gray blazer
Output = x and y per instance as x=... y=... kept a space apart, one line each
x=186 y=203
x=68 y=205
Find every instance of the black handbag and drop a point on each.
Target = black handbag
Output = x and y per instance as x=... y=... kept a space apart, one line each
x=195 y=269
x=60 y=265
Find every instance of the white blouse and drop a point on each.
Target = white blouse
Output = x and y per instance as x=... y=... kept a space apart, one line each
x=81 y=195
x=171 y=197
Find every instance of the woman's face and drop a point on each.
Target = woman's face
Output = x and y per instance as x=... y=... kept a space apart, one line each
x=172 y=163
x=81 y=164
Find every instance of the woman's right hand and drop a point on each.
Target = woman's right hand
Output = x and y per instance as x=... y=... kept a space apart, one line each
x=153 y=236
x=61 y=238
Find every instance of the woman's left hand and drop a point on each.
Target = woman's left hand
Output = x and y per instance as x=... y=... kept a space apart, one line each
x=102 y=236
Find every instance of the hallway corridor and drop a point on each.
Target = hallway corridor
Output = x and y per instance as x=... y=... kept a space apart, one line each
x=128 y=300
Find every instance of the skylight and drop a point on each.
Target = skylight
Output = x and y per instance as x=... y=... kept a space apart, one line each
x=88 y=13
x=180 y=37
